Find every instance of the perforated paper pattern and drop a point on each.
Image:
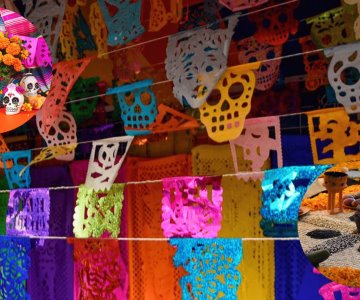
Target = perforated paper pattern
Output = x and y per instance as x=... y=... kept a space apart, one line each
x=99 y=271
x=259 y=136
x=13 y=177
x=191 y=206
x=28 y=212
x=98 y=213
x=151 y=270
x=237 y=5
x=195 y=61
x=98 y=28
x=15 y=262
x=332 y=136
x=124 y=26
x=210 y=265
x=159 y=16
x=330 y=290
x=345 y=61
x=4 y=148
x=224 y=112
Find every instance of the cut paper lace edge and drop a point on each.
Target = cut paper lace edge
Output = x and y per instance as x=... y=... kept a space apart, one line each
x=237 y=5
x=159 y=16
x=103 y=170
x=98 y=29
x=169 y=120
x=4 y=148
x=253 y=142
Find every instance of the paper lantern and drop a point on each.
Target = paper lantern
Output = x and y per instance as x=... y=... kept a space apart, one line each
x=344 y=75
x=283 y=191
x=224 y=112
x=191 y=206
x=13 y=177
x=237 y=5
x=195 y=61
x=211 y=265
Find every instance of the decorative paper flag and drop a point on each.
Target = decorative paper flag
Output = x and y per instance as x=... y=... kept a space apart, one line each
x=259 y=137
x=67 y=34
x=65 y=74
x=99 y=270
x=169 y=120
x=15 y=23
x=4 y=148
x=15 y=262
x=104 y=164
x=28 y=212
x=195 y=61
x=224 y=112
x=159 y=16
x=274 y=26
x=334 y=137
x=47 y=16
x=330 y=290
x=191 y=206
x=122 y=19
x=84 y=39
x=283 y=190
x=332 y=28
x=357 y=21
x=316 y=65
x=138 y=106
x=13 y=177
x=343 y=73
x=84 y=87
x=251 y=51
x=98 y=29
x=211 y=265
x=61 y=133
x=237 y=5
x=98 y=213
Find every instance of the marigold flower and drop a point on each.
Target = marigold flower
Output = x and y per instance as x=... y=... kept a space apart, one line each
x=24 y=54
x=15 y=39
x=4 y=42
x=13 y=49
x=27 y=107
x=17 y=65
x=8 y=59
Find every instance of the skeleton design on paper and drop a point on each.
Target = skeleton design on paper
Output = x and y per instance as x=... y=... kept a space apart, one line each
x=159 y=16
x=344 y=75
x=28 y=213
x=195 y=61
x=275 y=25
x=237 y=5
x=332 y=133
x=98 y=213
x=251 y=51
x=13 y=164
x=13 y=99
x=225 y=110
x=104 y=164
x=332 y=28
x=316 y=65
x=124 y=26
x=61 y=133
x=257 y=141
x=47 y=16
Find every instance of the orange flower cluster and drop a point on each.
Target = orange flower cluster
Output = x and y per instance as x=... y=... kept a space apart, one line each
x=12 y=53
x=343 y=275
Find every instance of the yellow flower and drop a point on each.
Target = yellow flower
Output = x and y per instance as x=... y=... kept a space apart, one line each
x=13 y=49
x=1 y=57
x=17 y=65
x=27 y=107
x=15 y=39
x=4 y=42
x=1 y=35
x=8 y=59
x=24 y=54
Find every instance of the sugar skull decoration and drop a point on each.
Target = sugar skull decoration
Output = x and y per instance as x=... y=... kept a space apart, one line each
x=332 y=28
x=138 y=106
x=316 y=65
x=344 y=75
x=30 y=84
x=251 y=51
x=275 y=25
x=195 y=61
x=13 y=99
x=237 y=5
x=225 y=110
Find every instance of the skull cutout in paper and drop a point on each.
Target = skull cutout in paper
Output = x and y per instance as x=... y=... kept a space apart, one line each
x=225 y=110
x=344 y=75
x=62 y=132
x=275 y=25
x=13 y=99
x=237 y=5
x=30 y=85
x=251 y=51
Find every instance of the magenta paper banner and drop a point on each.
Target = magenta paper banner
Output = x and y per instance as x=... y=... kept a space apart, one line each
x=191 y=206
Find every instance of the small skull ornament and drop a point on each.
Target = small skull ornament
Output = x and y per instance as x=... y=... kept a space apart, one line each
x=13 y=99
x=250 y=51
x=30 y=85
